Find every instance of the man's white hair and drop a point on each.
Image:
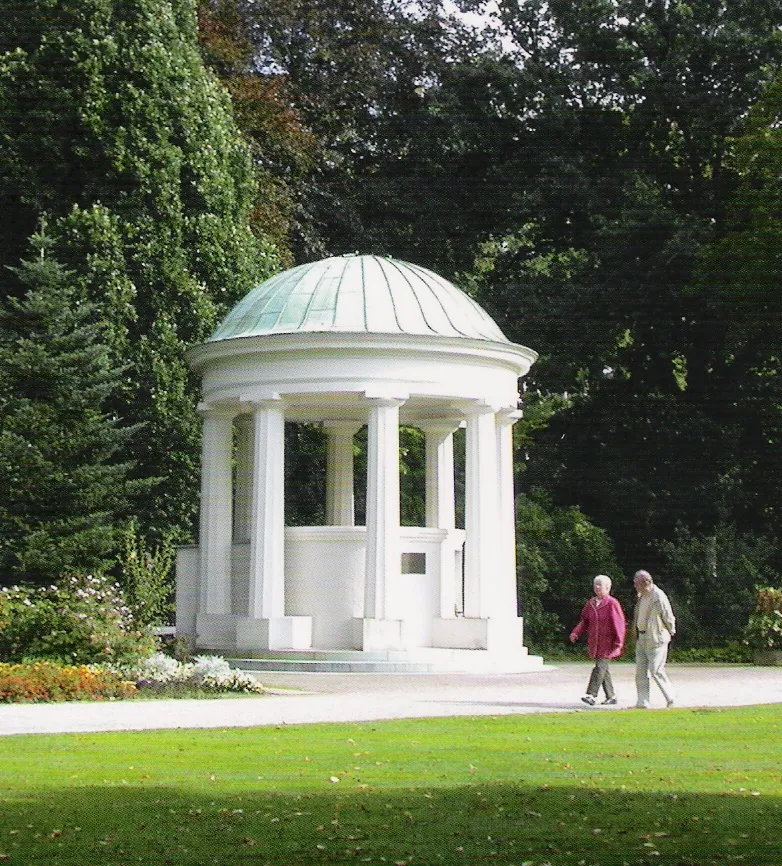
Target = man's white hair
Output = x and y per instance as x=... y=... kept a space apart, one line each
x=603 y=579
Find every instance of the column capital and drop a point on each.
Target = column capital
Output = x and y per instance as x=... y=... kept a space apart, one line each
x=218 y=410
x=271 y=401
x=509 y=416
x=439 y=426
x=383 y=398
x=475 y=409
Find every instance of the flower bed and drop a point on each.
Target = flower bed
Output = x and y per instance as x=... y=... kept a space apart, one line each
x=157 y=676
x=47 y=681
x=213 y=674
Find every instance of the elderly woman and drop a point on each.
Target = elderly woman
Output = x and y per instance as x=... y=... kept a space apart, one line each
x=604 y=622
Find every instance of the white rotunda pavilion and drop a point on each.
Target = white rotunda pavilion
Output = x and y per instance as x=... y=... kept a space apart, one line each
x=348 y=342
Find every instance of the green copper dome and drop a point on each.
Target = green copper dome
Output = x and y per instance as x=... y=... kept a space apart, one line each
x=369 y=294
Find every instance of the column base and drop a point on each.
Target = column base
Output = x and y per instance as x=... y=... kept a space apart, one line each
x=278 y=633
x=215 y=631
x=503 y=635
x=373 y=635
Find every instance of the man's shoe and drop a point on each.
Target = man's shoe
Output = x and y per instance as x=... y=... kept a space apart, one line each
x=588 y=699
x=669 y=702
x=609 y=701
x=642 y=706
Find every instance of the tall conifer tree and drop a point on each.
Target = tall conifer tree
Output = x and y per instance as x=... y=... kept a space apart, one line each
x=64 y=486
x=112 y=129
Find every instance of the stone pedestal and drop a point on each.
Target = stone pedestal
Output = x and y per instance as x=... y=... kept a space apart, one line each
x=495 y=635
x=374 y=635
x=216 y=631
x=279 y=633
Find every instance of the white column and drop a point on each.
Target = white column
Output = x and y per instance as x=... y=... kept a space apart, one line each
x=267 y=529
x=507 y=597
x=215 y=528
x=339 y=473
x=383 y=543
x=440 y=498
x=243 y=477
x=480 y=518
x=441 y=506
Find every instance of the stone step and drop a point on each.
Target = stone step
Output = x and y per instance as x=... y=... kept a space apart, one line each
x=324 y=666
x=424 y=660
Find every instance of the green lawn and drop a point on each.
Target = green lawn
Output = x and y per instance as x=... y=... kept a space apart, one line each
x=670 y=787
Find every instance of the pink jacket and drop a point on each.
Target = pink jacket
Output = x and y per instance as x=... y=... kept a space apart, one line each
x=605 y=628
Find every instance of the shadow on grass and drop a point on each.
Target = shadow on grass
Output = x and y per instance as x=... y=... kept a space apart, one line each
x=481 y=823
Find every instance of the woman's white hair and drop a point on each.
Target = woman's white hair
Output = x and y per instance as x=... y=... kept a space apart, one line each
x=603 y=579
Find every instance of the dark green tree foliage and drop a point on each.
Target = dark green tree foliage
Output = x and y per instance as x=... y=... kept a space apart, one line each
x=384 y=175
x=558 y=554
x=628 y=141
x=63 y=481
x=305 y=475
x=742 y=267
x=714 y=580
x=412 y=476
x=112 y=128
x=740 y=276
x=285 y=151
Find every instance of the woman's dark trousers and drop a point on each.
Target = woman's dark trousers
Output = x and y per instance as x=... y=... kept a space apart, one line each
x=601 y=676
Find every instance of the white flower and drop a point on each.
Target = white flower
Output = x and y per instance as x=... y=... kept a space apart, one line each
x=161 y=668
x=210 y=666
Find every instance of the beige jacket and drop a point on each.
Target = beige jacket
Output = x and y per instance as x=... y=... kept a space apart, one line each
x=660 y=624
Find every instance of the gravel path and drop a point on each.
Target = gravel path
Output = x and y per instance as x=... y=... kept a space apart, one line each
x=331 y=697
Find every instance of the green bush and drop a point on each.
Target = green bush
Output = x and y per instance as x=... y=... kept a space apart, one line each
x=711 y=581
x=145 y=576
x=558 y=553
x=733 y=652
x=82 y=619
x=764 y=629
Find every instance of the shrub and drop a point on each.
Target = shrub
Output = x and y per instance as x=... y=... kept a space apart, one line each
x=558 y=553
x=46 y=681
x=711 y=581
x=733 y=652
x=764 y=629
x=82 y=619
x=145 y=576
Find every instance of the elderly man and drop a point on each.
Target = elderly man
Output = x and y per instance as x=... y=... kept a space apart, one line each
x=655 y=625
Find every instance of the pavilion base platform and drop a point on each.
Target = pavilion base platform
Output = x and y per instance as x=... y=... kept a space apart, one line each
x=421 y=660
